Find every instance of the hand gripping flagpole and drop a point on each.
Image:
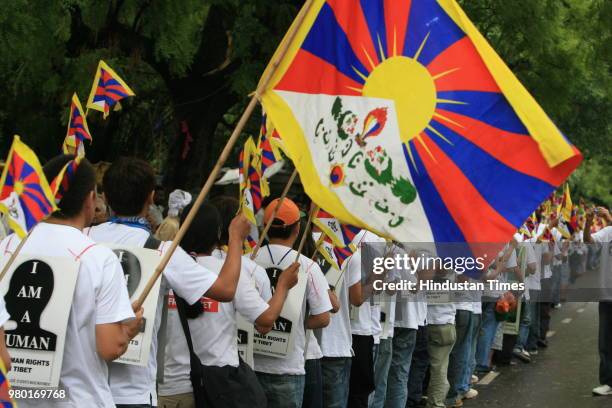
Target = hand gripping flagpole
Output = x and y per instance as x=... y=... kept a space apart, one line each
x=224 y=155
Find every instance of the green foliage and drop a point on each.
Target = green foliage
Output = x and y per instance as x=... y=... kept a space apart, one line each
x=194 y=62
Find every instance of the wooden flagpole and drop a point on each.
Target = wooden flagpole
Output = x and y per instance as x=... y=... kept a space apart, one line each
x=14 y=255
x=311 y=216
x=224 y=155
x=263 y=234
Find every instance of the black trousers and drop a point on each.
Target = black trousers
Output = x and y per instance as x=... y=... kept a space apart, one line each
x=362 y=372
x=605 y=343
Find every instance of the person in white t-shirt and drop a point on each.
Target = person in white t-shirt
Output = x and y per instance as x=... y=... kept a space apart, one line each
x=129 y=187
x=504 y=264
x=5 y=358
x=283 y=379
x=527 y=266
x=336 y=340
x=603 y=237
x=212 y=324
x=101 y=320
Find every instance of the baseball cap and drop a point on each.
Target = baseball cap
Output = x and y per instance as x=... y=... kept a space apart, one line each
x=288 y=213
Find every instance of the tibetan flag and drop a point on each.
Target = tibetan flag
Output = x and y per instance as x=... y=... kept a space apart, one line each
x=403 y=120
x=330 y=226
x=565 y=209
x=73 y=147
x=5 y=398
x=77 y=125
x=269 y=152
x=326 y=250
x=342 y=254
x=25 y=195
x=60 y=185
x=107 y=89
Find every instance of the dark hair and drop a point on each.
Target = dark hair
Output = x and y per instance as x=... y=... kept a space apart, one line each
x=203 y=233
x=227 y=208
x=82 y=183
x=279 y=231
x=128 y=183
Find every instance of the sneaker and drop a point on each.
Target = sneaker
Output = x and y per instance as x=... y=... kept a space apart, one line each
x=474 y=379
x=557 y=306
x=533 y=352
x=470 y=394
x=457 y=404
x=602 y=390
x=522 y=355
x=542 y=343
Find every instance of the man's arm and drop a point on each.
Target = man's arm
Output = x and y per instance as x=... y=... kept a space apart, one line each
x=112 y=339
x=318 y=321
x=224 y=287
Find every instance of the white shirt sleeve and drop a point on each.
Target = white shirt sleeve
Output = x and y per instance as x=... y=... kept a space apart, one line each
x=186 y=277
x=247 y=300
x=530 y=254
x=112 y=300
x=4 y=316
x=316 y=290
x=511 y=262
x=603 y=235
x=353 y=269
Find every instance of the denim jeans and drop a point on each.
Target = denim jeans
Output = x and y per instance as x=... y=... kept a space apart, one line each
x=486 y=336
x=556 y=284
x=381 y=372
x=469 y=369
x=336 y=372
x=460 y=356
x=417 y=379
x=313 y=388
x=524 y=325
x=534 y=328
x=404 y=341
x=283 y=391
x=134 y=406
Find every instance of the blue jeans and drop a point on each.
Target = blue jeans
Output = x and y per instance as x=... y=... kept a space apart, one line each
x=404 y=341
x=283 y=391
x=313 y=388
x=486 y=336
x=556 y=284
x=381 y=372
x=419 y=367
x=336 y=372
x=524 y=325
x=534 y=328
x=460 y=356
x=469 y=369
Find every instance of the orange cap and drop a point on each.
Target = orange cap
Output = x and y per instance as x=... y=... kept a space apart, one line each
x=288 y=212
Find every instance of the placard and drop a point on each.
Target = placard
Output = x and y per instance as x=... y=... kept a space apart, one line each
x=38 y=292
x=245 y=339
x=138 y=266
x=279 y=341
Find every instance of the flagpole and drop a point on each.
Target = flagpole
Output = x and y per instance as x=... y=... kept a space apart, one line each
x=14 y=255
x=318 y=246
x=313 y=211
x=224 y=155
x=263 y=234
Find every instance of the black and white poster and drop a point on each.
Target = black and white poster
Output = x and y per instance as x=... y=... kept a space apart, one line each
x=38 y=294
x=138 y=266
x=279 y=341
x=245 y=339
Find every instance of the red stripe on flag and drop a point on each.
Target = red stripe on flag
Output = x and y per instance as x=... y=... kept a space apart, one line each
x=397 y=14
x=354 y=25
x=470 y=73
x=310 y=74
x=477 y=220
x=519 y=152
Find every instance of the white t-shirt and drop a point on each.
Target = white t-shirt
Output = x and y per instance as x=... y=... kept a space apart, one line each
x=100 y=297
x=603 y=235
x=336 y=340
x=410 y=308
x=533 y=281
x=213 y=332
x=257 y=274
x=132 y=384
x=4 y=316
x=282 y=257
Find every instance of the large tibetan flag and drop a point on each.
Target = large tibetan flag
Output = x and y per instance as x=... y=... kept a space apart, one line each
x=107 y=89
x=402 y=119
x=25 y=195
x=78 y=131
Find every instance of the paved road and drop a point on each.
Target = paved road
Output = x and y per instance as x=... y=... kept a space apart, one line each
x=560 y=376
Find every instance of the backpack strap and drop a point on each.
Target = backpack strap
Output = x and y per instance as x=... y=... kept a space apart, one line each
x=152 y=243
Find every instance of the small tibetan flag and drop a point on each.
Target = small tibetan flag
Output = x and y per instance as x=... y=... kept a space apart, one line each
x=107 y=89
x=60 y=185
x=25 y=195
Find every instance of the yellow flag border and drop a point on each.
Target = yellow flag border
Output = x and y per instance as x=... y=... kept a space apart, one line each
x=94 y=86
